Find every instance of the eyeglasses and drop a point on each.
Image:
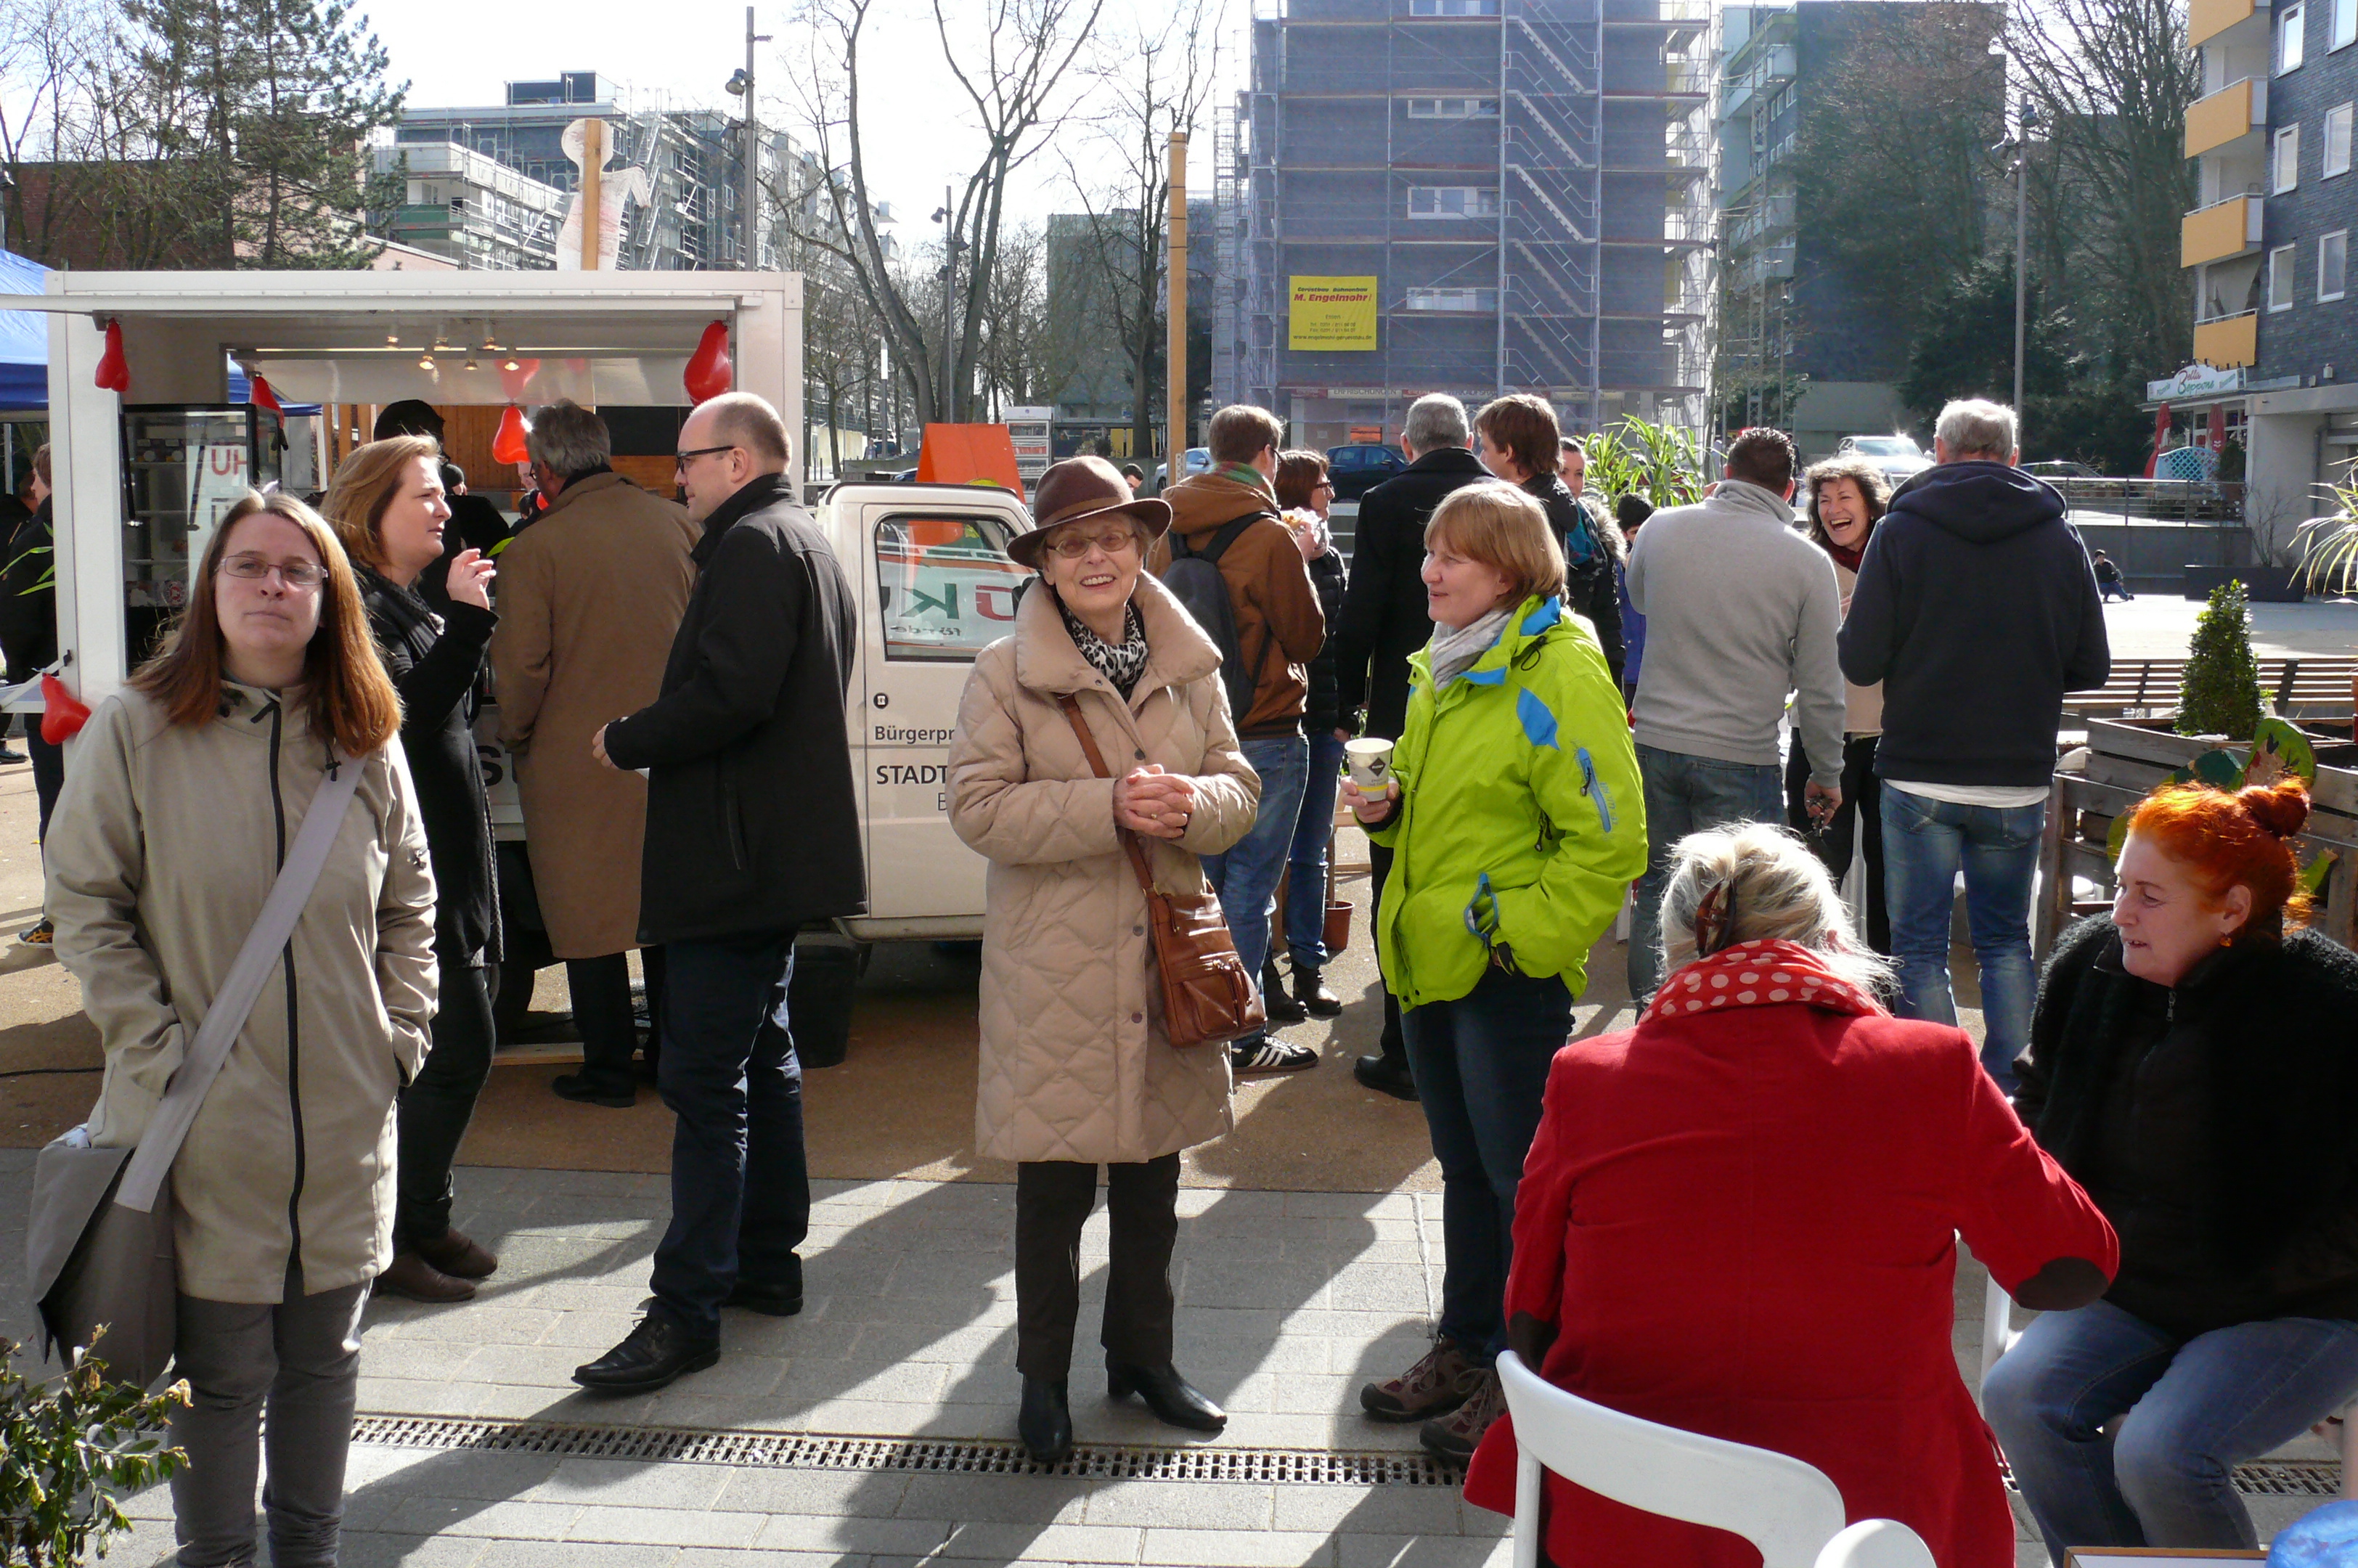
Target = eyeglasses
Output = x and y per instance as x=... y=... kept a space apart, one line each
x=1073 y=547
x=681 y=461
x=299 y=576
x=1323 y=484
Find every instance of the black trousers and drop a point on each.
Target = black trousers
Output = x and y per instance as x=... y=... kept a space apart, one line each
x=602 y=1012
x=1395 y=1044
x=1053 y=1199
x=441 y=1101
x=48 y=769
x=1862 y=792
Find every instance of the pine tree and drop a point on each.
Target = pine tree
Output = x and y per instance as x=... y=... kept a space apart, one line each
x=264 y=113
x=2221 y=694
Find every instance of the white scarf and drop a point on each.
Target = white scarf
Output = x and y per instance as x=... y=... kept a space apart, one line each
x=1452 y=654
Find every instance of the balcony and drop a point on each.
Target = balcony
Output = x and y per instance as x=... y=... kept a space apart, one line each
x=2234 y=112
x=2206 y=20
x=2230 y=341
x=2223 y=229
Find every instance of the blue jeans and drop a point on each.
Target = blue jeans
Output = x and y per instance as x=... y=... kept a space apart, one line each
x=1314 y=830
x=2121 y=1434
x=1687 y=794
x=740 y=1184
x=1481 y=1068
x=1925 y=843
x=1245 y=877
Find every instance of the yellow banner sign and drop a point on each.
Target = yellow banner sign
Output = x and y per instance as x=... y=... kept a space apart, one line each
x=1331 y=313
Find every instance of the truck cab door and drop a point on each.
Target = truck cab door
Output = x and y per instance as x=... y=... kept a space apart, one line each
x=939 y=588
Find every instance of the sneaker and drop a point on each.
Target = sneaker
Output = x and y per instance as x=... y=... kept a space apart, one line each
x=40 y=935
x=1258 y=1059
x=10 y=754
x=1436 y=1385
x=1457 y=1435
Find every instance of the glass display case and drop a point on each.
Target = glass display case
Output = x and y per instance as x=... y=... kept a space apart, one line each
x=184 y=466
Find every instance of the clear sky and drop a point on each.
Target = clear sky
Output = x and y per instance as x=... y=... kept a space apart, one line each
x=462 y=52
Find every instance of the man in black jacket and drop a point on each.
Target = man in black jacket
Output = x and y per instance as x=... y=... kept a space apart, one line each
x=753 y=832
x=29 y=639
x=1384 y=621
x=1977 y=610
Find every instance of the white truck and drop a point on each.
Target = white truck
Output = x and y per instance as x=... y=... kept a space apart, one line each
x=142 y=475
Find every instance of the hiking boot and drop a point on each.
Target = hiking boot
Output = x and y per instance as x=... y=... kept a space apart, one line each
x=1280 y=1007
x=39 y=935
x=1457 y=1435
x=1436 y=1385
x=1267 y=1055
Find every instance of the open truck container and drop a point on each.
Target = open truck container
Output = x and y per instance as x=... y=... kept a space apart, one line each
x=142 y=477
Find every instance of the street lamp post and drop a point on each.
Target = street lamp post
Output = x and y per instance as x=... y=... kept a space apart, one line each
x=741 y=84
x=2029 y=117
x=946 y=216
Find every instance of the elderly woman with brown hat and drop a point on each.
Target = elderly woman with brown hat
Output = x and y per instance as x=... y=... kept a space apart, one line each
x=1077 y=1069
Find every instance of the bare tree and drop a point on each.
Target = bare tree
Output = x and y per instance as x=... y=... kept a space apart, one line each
x=2111 y=79
x=1010 y=59
x=1150 y=83
x=1022 y=354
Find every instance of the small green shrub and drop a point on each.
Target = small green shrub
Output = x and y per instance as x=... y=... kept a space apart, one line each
x=68 y=1450
x=2221 y=695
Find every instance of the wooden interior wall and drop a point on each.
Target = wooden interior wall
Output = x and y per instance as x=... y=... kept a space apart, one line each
x=467 y=434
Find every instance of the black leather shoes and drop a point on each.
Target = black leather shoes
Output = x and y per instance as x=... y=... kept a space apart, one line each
x=1280 y=1007
x=1385 y=1077
x=1046 y=1421
x=1310 y=990
x=768 y=1303
x=588 y=1090
x=1171 y=1396
x=651 y=1355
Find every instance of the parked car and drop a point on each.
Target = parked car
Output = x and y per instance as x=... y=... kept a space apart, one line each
x=1358 y=468
x=1199 y=460
x=1898 y=457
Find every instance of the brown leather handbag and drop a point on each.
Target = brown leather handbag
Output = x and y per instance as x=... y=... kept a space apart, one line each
x=1207 y=997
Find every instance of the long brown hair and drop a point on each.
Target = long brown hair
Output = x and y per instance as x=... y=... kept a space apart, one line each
x=364 y=485
x=346 y=694
x=1873 y=488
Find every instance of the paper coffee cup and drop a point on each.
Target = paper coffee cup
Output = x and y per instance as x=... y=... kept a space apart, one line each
x=1370 y=761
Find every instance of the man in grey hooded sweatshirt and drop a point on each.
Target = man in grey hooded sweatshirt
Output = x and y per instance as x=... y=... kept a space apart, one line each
x=1740 y=611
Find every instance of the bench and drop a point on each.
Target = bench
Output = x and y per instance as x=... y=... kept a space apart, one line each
x=2298 y=687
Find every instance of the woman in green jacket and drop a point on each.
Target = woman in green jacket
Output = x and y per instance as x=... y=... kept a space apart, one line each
x=1516 y=822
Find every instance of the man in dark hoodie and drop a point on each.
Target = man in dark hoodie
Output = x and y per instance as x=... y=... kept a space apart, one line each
x=1280 y=629
x=1977 y=610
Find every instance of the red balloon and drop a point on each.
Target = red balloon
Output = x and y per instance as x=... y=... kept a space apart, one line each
x=516 y=379
x=113 y=370
x=508 y=445
x=263 y=398
x=62 y=713
x=710 y=373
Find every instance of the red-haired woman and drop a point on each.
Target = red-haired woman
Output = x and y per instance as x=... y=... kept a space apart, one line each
x=2194 y=1066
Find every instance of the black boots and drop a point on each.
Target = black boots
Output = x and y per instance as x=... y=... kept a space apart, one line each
x=1046 y=1421
x=1308 y=997
x=1171 y=1396
x=1280 y=1007
x=1310 y=990
x=1386 y=1075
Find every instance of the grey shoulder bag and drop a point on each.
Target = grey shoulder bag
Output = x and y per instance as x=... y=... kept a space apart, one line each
x=99 y=1238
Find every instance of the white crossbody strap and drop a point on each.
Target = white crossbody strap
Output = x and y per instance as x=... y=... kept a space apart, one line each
x=177 y=1112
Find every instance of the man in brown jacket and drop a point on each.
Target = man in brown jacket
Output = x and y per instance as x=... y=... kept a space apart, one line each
x=1280 y=629
x=591 y=595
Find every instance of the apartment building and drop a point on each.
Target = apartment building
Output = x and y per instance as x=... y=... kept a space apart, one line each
x=1797 y=346
x=2275 y=333
x=472 y=209
x=690 y=218
x=1469 y=196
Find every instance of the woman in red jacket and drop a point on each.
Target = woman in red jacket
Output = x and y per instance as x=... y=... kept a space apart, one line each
x=1739 y=1218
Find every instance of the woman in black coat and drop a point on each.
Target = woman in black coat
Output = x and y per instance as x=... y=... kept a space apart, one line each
x=1517 y=439
x=2195 y=1068
x=389 y=507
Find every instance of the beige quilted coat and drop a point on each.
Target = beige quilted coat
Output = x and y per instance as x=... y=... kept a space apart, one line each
x=1074 y=1062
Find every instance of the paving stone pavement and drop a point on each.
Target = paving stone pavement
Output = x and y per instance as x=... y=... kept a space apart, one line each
x=1287 y=1302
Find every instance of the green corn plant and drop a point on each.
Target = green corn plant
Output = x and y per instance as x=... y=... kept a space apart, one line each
x=1637 y=457
x=69 y=1449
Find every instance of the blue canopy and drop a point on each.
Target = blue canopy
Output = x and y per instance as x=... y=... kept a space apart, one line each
x=24 y=338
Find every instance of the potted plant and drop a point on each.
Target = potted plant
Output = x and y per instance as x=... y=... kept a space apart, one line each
x=69 y=1449
x=2222 y=691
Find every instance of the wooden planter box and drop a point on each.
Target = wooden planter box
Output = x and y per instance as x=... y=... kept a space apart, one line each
x=2127 y=758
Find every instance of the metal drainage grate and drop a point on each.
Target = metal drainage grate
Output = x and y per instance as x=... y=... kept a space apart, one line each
x=833 y=1451
x=2265 y=1478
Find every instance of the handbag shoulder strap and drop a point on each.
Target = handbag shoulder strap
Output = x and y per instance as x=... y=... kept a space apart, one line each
x=1097 y=760
x=177 y=1112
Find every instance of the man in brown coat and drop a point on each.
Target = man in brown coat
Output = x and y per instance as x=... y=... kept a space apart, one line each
x=1232 y=512
x=591 y=595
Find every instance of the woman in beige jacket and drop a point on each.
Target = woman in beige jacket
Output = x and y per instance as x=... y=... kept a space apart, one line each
x=1075 y=1068
x=187 y=787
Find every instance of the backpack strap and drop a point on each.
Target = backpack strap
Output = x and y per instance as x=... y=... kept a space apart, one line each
x=1228 y=534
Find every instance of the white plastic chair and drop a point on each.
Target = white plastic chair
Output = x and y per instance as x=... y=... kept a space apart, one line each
x=1998 y=1335
x=1786 y=1508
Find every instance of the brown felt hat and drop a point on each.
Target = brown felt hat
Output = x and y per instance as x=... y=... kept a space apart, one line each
x=1076 y=490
